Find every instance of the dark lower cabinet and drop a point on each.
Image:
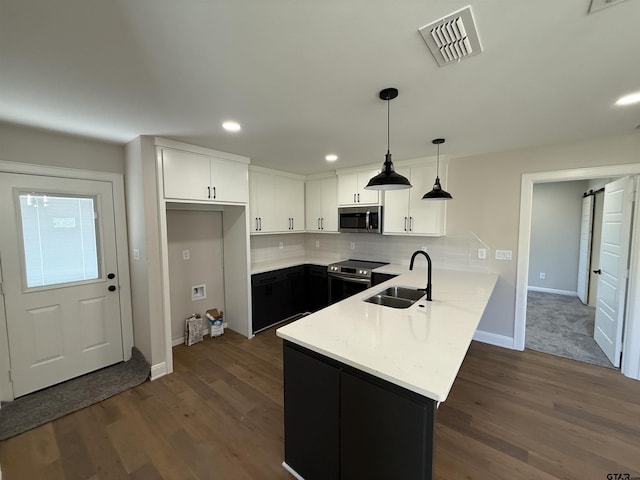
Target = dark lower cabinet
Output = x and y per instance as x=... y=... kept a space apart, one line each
x=280 y=294
x=294 y=292
x=344 y=424
x=317 y=287
x=384 y=432
x=266 y=299
x=312 y=420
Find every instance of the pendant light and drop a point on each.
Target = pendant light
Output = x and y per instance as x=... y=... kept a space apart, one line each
x=388 y=179
x=437 y=193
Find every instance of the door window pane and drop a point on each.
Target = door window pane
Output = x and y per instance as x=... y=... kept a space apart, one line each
x=59 y=235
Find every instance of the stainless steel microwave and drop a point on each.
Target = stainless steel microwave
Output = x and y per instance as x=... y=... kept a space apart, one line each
x=360 y=219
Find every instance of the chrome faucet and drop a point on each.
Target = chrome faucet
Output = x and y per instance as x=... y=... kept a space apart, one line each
x=413 y=257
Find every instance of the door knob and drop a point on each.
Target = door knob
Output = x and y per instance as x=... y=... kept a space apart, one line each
x=111 y=276
x=112 y=288
x=598 y=271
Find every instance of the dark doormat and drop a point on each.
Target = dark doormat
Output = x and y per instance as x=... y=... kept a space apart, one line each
x=59 y=400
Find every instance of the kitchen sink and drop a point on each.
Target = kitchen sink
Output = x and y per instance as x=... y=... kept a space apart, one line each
x=403 y=292
x=396 y=297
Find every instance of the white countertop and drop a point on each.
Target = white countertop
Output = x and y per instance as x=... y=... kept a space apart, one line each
x=420 y=348
x=277 y=264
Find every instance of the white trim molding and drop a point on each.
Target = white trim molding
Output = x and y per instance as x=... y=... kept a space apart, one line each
x=158 y=370
x=291 y=471
x=494 y=339
x=568 y=293
x=631 y=350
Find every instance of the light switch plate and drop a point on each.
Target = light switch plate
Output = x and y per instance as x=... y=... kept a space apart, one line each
x=186 y=254
x=503 y=254
x=482 y=253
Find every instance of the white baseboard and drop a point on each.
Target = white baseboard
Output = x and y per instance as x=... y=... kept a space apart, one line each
x=553 y=290
x=177 y=341
x=290 y=470
x=158 y=370
x=494 y=339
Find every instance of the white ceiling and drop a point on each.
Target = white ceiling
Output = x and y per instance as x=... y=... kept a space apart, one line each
x=303 y=76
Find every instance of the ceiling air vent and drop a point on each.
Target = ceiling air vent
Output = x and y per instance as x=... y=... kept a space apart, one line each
x=600 y=4
x=452 y=38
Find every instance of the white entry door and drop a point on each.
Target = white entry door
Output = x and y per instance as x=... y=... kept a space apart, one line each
x=614 y=261
x=585 y=249
x=60 y=278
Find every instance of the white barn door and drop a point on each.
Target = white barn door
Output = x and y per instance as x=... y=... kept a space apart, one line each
x=614 y=264
x=584 y=263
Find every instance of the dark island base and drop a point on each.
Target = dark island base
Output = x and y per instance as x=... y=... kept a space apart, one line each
x=342 y=423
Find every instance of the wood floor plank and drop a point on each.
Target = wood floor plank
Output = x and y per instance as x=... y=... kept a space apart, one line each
x=510 y=415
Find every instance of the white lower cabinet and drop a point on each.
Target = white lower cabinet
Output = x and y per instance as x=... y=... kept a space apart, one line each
x=321 y=204
x=276 y=202
x=405 y=213
x=194 y=176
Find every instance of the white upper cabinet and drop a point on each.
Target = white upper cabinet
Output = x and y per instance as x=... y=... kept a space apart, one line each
x=321 y=202
x=276 y=202
x=199 y=177
x=290 y=203
x=405 y=213
x=262 y=202
x=351 y=189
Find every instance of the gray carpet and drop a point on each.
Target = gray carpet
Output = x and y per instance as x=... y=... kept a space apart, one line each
x=562 y=325
x=54 y=402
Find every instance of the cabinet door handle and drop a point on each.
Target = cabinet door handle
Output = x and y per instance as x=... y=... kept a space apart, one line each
x=321 y=223
x=358 y=198
x=256 y=224
x=405 y=224
x=259 y=223
x=354 y=198
x=208 y=192
x=411 y=224
x=214 y=193
x=318 y=223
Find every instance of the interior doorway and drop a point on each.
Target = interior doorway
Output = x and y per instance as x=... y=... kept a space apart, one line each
x=558 y=319
x=630 y=365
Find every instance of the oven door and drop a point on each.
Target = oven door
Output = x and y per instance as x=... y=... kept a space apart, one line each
x=343 y=286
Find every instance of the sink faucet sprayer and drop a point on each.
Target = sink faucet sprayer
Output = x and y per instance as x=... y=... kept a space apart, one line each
x=413 y=257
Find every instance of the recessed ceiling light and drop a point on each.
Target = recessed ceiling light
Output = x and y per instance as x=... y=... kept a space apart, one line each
x=332 y=157
x=629 y=99
x=231 y=126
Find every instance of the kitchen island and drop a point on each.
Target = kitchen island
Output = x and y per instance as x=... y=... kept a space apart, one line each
x=362 y=381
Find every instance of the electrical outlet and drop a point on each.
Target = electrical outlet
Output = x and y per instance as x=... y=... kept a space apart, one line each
x=423 y=248
x=317 y=243
x=503 y=254
x=543 y=275
x=482 y=253
x=281 y=245
x=353 y=245
x=186 y=254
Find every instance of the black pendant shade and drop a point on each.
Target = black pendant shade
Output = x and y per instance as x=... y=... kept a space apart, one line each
x=437 y=193
x=388 y=179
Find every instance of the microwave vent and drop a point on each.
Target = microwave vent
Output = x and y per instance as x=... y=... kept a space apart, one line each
x=452 y=38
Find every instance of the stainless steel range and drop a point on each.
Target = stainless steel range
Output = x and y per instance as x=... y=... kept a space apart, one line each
x=349 y=277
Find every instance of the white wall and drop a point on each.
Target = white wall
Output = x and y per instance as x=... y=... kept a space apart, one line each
x=486 y=190
x=143 y=228
x=201 y=234
x=555 y=235
x=42 y=147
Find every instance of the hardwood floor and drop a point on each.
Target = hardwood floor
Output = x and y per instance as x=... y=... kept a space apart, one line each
x=510 y=415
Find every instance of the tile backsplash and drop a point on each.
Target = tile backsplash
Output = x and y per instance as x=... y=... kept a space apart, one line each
x=457 y=252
